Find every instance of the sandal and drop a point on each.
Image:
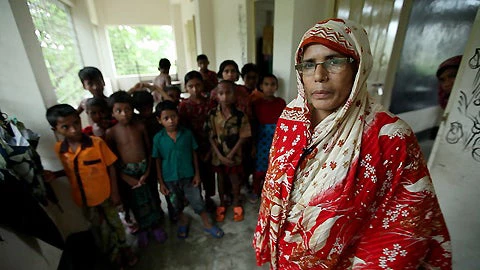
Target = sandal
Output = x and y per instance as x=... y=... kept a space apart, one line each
x=220 y=214
x=182 y=231
x=142 y=239
x=214 y=231
x=237 y=213
x=129 y=256
x=159 y=235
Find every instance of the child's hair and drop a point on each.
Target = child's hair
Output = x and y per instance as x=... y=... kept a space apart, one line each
x=57 y=111
x=193 y=75
x=164 y=106
x=96 y=102
x=164 y=63
x=262 y=78
x=142 y=99
x=249 y=67
x=90 y=73
x=230 y=83
x=120 y=97
x=202 y=57
x=174 y=88
x=226 y=63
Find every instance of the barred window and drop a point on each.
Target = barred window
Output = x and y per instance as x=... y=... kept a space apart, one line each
x=58 y=40
x=138 y=49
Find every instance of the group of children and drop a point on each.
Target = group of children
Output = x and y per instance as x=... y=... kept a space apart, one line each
x=123 y=159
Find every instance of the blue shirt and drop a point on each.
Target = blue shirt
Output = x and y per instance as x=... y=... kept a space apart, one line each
x=176 y=156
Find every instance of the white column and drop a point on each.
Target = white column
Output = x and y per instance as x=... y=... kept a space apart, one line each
x=206 y=31
x=292 y=19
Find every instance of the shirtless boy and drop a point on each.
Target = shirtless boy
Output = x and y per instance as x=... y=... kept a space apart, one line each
x=130 y=141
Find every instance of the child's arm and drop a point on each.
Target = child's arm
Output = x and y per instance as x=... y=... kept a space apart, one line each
x=114 y=195
x=159 y=89
x=168 y=80
x=146 y=142
x=136 y=87
x=196 y=177
x=221 y=157
x=236 y=148
x=132 y=181
x=49 y=176
x=163 y=188
x=80 y=107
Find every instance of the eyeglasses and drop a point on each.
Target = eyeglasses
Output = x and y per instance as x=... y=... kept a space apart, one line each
x=333 y=65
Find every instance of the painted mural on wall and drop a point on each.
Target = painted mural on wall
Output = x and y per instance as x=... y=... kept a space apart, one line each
x=466 y=130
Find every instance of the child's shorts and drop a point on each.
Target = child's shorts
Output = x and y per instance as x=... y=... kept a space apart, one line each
x=228 y=170
x=183 y=189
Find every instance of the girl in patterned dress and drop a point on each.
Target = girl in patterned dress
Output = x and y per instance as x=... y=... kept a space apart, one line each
x=267 y=110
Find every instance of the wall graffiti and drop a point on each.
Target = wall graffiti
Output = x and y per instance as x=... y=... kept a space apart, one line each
x=469 y=107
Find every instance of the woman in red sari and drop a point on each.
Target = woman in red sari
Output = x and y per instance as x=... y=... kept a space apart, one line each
x=347 y=186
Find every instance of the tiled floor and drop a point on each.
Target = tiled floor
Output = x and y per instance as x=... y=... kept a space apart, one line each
x=202 y=251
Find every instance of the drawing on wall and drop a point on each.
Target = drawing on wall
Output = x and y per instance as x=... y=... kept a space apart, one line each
x=469 y=107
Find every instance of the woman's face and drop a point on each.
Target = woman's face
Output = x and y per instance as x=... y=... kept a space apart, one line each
x=229 y=73
x=326 y=91
x=447 y=78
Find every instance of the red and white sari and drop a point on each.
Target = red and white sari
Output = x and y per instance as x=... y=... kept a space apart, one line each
x=352 y=192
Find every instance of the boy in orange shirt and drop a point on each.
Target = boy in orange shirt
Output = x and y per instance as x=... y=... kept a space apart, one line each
x=88 y=164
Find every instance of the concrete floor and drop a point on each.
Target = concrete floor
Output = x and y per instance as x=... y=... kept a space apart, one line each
x=202 y=251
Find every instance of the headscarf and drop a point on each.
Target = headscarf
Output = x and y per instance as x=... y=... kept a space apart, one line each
x=310 y=184
x=453 y=62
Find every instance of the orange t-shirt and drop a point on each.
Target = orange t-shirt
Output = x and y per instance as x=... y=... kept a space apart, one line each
x=87 y=169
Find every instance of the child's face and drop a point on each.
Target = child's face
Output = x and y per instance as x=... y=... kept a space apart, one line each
x=94 y=86
x=225 y=94
x=203 y=64
x=96 y=113
x=194 y=87
x=251 y=80
x=447 y=78
x=123 y=112
x=70 y=127
x=229 y=73
x=169 y=119
x=145 y=111
x=174 y=95
x=269 y=86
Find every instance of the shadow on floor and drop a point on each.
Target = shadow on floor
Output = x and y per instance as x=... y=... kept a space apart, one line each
x=202 y=251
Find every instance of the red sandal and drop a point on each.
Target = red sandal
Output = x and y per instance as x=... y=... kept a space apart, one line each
x=220 y=214
x=237 y=213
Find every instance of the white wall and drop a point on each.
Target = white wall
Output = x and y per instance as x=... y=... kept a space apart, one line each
x=25 y=94
x=455 y=160
x=134 y=12
x=301 y=16
x=230 y=19
x=206 y=31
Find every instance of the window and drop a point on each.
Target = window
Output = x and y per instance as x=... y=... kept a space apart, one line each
x=137 y=49
x=55 y=33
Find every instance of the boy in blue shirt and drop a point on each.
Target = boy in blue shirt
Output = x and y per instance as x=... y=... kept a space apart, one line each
x=177 y=168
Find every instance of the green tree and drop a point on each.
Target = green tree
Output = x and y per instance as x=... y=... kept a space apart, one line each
x=137 y=49
x=56 y=36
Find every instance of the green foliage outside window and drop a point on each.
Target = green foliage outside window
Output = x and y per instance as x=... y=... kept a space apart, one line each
x=137 y=49
x=56 y=35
